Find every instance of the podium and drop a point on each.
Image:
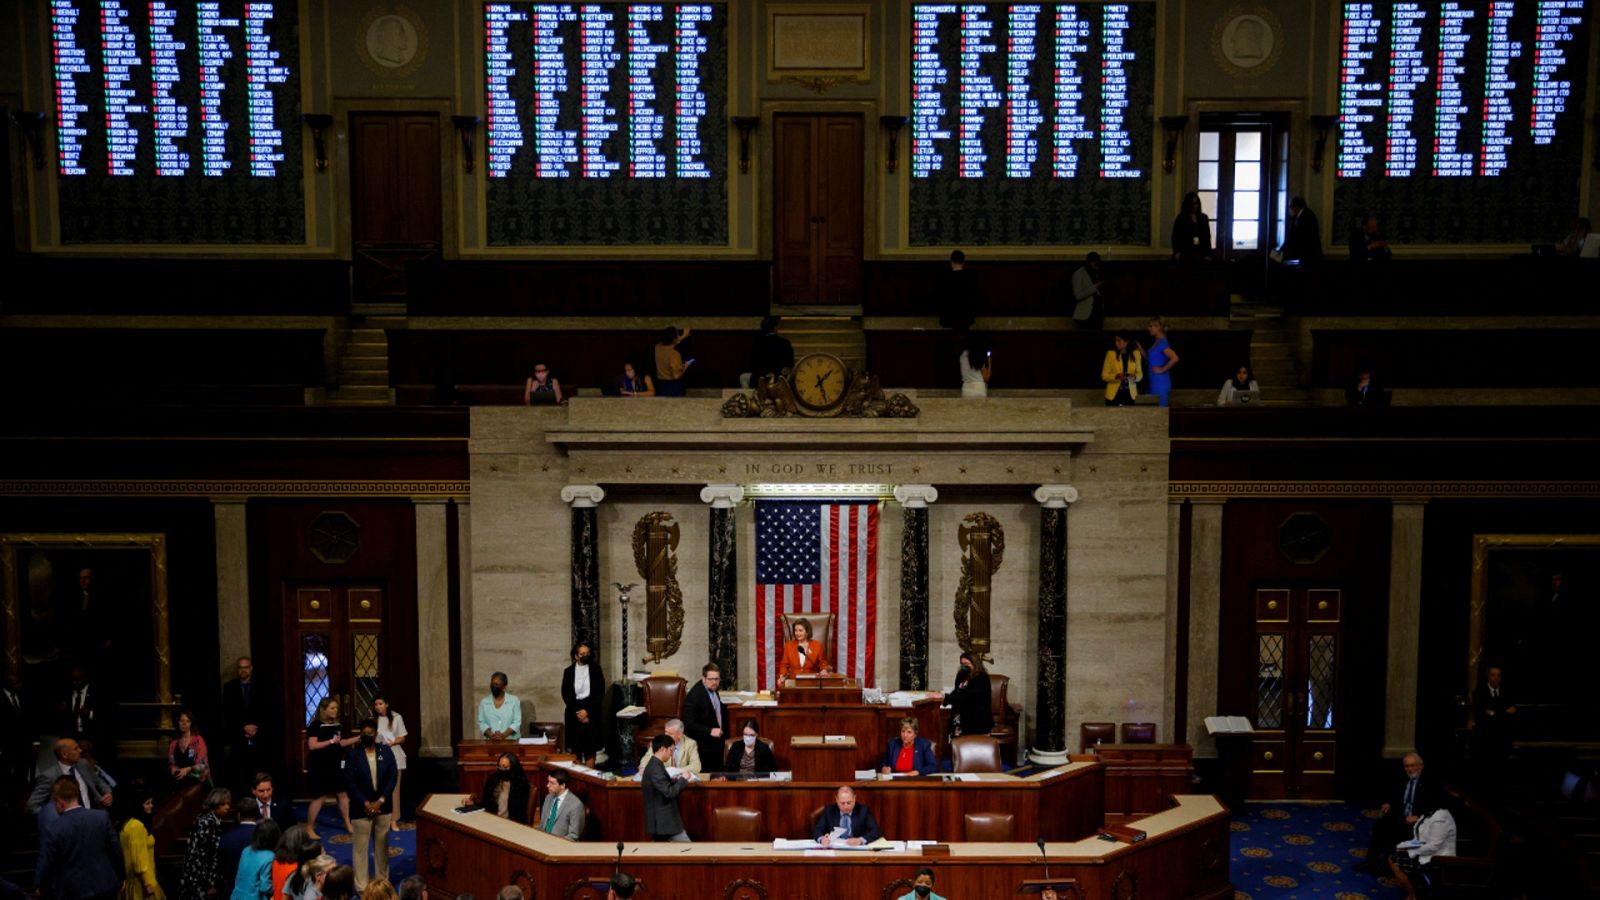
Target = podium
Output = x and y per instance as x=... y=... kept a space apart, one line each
x=820 y=690
x=815 y=759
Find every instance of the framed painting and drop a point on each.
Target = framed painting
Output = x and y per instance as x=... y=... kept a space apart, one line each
x=1534 y=610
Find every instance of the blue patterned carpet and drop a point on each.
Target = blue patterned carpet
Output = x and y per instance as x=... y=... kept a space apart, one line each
x=1304 y=850
x=402 y=844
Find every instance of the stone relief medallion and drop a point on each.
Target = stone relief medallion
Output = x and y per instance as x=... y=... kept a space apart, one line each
x=392 y=41
x=1247 y=41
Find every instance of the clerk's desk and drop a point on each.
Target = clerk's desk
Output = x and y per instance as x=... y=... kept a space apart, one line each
x=1064 y=803
x=823 y=706
x=1184 y=857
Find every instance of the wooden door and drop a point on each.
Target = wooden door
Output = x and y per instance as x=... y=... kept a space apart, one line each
x=817 y=233
x=395 y=203
x=1297 y=706
x=337 y=647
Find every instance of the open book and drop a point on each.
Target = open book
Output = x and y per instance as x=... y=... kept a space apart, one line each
x=1228 y=725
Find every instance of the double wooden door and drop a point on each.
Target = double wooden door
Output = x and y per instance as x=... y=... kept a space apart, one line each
x=817 y=209
x=396 y=213
x=337 y=647
x=1297 y=708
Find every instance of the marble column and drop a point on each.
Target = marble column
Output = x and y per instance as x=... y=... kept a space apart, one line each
x=914 y=500
x=233 y=581
x=1405 y=618
x=468 y=692
x=1050 y=691
x=1169 y=686
x=583 y=498
x=433 y=620
x=722 y=577
x=1205 y=620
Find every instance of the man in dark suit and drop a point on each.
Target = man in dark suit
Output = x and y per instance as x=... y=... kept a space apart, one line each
x=1494 y=713
x=268 y=806
x=245 y=716
x=80 y=714
x=845 y=821
x=370 y=773
x=93 y=792
x=1401 y=809
x=661 y=819
x=16 y=734
x=705 y=719
x=772 y=352
x=79 y=855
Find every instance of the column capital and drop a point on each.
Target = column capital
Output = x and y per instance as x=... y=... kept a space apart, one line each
x=582 y=496
x=722 y=496
x=915 y=496
x=1055 y=496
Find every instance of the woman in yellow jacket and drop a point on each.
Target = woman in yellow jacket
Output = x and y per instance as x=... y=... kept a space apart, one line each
x=1121 y=371
x=139 y=850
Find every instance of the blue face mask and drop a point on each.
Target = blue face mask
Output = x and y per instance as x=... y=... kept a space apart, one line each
x=749 y=740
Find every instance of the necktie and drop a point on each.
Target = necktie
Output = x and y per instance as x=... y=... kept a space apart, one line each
x=675 y=763
x=844 y=822
x=1411 y=793
x=1494 y=692
x=550 y=820
x=83 y=789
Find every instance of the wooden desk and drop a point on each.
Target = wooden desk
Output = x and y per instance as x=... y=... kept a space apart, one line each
x=871 y=725
x=814 y=759
x=1066 y=803
x=1142 y=778
x=476 y=759
x=1185 y=857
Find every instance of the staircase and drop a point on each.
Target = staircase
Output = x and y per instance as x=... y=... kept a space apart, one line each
x=364 y=366
x=840 y=335
x=1271 y=356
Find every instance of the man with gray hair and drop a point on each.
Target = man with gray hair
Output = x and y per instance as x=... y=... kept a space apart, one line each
x=413 y=888
x=1403 y=805
x=509 y=892
x=685 y=754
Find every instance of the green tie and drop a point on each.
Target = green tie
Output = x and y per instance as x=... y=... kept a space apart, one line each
x=550 y=820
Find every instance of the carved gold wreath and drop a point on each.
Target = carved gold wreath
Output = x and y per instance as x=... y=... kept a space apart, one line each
x=641 y=552
x=997 y=552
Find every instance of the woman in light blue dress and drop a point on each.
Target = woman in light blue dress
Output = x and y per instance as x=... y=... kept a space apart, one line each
x=1160 y=361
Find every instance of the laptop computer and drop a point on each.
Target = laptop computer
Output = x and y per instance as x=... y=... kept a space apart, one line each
x=1245 y=398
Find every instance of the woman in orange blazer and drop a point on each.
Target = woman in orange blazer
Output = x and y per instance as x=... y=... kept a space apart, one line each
x=801 y=655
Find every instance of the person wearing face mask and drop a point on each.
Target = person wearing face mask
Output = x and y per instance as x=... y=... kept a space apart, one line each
x=370 y=772
x=500 y=713
x=922 y=887
x=582 y=689
x=505 y=791
x=971 y=707
x=750 y=755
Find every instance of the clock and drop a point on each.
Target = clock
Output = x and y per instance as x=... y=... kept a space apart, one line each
x=820 y=381
x=334 y=537
x=1304 y=538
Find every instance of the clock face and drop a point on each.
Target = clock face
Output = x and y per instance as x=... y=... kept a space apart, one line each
x=820 y=380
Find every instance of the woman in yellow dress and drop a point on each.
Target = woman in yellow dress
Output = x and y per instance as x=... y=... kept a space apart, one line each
x=139 y=849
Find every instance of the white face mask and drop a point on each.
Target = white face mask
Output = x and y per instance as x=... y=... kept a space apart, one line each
x=749 y=740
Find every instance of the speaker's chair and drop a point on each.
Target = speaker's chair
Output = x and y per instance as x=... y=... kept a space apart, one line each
x=821 y=630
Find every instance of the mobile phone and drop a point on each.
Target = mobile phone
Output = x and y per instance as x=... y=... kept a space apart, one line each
x=988 y=353
x=689 y=363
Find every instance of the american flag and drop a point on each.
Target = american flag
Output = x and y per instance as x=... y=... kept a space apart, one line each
x=817 y=556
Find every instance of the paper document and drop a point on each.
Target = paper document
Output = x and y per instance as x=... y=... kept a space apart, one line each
x=757 y=704
x=791 y=844
x=630 y=712
x=533 y=740
x=1228 y=725
x=962 y=776
x=866 y=774
x=836 y=738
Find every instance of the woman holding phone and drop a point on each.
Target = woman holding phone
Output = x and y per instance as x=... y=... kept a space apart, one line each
x=977 y=364
x=670 y=367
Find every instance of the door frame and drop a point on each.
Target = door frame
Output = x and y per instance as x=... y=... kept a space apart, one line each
x=1301 y=138
x=872 y=183
x=452 y=179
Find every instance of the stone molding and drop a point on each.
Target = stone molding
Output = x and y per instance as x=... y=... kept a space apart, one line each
x=1055 y=496
x=582 y=496
x=722 y=496
x=915 y=496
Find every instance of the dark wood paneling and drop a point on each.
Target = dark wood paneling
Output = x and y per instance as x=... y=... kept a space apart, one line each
x=395 y=201
x=1142 y=778
x=794 y=213
x=1142 y=288
x=840 y=202
x=1455 y=358
x=1043 y=359
x=64 y=285
x=1508 y=286
x=817 y=209
x=588 y=288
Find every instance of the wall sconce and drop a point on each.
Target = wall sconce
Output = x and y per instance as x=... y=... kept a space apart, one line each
x=319 y=124
x=1173 y=125
x=745 y=124
x=31 y=125
x=892 y=124
x=467 y=127
x=1323 y=125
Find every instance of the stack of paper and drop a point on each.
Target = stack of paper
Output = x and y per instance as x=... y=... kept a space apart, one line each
x=630 y=712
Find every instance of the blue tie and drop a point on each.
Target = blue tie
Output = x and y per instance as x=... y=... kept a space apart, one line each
x=844 y=822
x=1411 y=793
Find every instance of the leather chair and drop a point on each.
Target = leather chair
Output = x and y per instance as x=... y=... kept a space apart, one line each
x=1004 y=730
x=1093 y=733
x=1138 y=732
x=821 y=630
x=735 y=823
x=551 y=729
x=662 y=699
x=975 y=753
x=990 y=827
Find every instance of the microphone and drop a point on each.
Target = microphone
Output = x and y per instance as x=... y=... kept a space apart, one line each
x=1043 y=856
x=618 y=867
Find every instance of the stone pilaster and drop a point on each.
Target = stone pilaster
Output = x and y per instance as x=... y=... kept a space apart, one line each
x=583 y=498
x=722 y=577
x=1050 y=690
x=1405 y=622
x=433 y=620
x=233 y=581
x=914 y=500
x=1205 y=620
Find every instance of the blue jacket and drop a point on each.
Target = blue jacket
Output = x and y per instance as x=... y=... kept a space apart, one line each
x=922 y=758
x=254 y=881
x=358 y=775
x=79 y=857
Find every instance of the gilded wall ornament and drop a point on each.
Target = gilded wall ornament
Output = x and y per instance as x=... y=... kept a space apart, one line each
x=655 y=546
x=983 y=548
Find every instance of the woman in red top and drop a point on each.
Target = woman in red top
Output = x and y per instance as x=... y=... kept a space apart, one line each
x=801 y=655
x=909 y=754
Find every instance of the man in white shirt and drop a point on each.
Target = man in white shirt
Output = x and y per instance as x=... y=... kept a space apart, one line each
x=562 y=813
x=93 y=792
x=1088 y=310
